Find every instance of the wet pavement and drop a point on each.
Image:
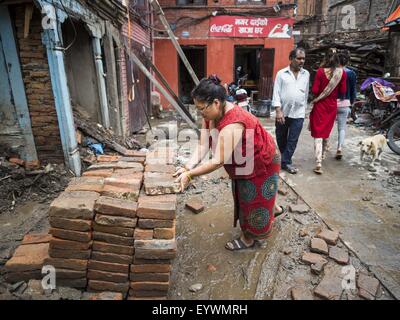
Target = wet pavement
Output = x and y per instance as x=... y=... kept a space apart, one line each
x=363 y=205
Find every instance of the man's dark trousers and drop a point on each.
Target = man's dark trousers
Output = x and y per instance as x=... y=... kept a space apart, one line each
x=287 y=136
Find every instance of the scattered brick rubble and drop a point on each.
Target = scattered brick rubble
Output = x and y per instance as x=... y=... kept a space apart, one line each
x=112 y=230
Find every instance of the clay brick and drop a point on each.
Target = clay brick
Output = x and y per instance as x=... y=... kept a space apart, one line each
x=160 y=168
x=74 y=205
x=165 y=198
x=331 y=285
x=16 y=161
x=151 y=268
x=117 y=207
x=29 y=257
x=134 y=153
x=107 y=158
x=72 y=283
x=319 y=246
x=140 y=294
x=143 y=234
x=71 y=235
x=107 y=276
x=115 y=221
x=73 y=264
x=161 y=160
x=108 y=266
x=165 y=233
x=301 y=293
x=155 y=249
x=111 y=257
x=96 y=285
x=70 y=274
x=313 y=258
x=104 y=173
x=152 y=277
x=155 y=210
x=112 y=239
x=299 y=208
x=134 y=159
x=150 y=286
x=124 y=172
x=32 y=165
x=69 y=254
x=103 y=296
x=133 y=181
x=118 y=165
x=341 y=256
x=36 y=238
x=160 y=183
x=144 y=261
x=119 y=231
x=368 y=286
x=317 y=268
x=112 y=248
x=195 y=205
x=153 y=223
x=331 y=237
x=71 y=224
x=128 y=193
x=163 y=297
x=94 y=184
x=61 y=244
x=14 y=277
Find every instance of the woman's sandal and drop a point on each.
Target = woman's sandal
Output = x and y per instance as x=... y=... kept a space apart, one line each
x=238 y=244
x=278 y=214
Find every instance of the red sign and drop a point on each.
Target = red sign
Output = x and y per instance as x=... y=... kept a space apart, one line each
x=251 y=27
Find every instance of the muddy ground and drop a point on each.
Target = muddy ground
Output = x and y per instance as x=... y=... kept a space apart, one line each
x=268 y=271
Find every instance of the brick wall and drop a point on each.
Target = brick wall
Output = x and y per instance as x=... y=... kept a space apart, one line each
x=36 y=77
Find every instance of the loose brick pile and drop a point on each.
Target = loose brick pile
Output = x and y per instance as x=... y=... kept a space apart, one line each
x=113 y=229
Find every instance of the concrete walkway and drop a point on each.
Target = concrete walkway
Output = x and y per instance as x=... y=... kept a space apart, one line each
x=364 y=206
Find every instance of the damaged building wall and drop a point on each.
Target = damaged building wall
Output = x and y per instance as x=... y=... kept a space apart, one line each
x=393 y=61
x=81 y=71
x=10 y=133
x=36 y=78
x=319 y=18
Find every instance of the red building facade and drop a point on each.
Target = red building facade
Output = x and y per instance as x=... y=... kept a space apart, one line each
x=217 y=36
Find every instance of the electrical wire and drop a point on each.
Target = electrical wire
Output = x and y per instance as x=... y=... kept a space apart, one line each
x=73 y=27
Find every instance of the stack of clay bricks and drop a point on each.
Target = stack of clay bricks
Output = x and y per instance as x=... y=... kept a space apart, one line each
x=155 y=244
x=71 y=216
x=114 y=222
x=113 y=229
x=28 y=259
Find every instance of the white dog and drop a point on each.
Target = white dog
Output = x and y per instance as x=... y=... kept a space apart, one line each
x=373 y=146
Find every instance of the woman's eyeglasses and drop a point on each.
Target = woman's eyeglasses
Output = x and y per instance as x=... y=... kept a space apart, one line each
x=204 y=108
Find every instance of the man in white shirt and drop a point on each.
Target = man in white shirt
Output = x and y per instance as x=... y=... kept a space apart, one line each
x=290 y=101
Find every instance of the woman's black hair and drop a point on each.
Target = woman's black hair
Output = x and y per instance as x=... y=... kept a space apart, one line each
x=331 y=60
x=344 y=57
x=209 y=89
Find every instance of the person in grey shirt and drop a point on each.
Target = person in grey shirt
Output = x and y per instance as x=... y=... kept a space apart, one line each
x=290 y=101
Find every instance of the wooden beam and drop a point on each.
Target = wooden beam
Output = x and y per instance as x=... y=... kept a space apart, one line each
x=28 y=18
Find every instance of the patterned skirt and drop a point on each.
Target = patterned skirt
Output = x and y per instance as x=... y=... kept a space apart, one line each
x=254 y=201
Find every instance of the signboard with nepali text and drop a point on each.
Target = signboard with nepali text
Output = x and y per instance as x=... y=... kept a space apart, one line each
x=251 y=27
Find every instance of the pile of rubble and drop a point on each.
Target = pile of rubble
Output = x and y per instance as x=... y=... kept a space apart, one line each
x=22 y=181
x=112 y=230
x=367 y=56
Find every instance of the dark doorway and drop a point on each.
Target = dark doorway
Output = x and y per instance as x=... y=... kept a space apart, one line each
x=247 y=58
x=265 y=86
x=81 y=70
x=197 y=58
